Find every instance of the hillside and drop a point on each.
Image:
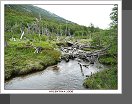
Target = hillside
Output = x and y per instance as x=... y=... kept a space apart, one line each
x=29 y=18
x=35 y=11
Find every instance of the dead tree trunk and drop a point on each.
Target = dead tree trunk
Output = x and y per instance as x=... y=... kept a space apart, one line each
x=75 y=52
x=22 y=35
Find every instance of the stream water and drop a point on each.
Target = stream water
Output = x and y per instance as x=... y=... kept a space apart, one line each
x=69 y=76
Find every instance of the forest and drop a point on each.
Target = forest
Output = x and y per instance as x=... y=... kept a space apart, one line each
x=35 y=39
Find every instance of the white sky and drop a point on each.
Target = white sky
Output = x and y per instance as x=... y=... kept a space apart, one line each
x=83 y=14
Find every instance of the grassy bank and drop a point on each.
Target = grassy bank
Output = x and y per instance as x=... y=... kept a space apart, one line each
x=20 y=58
x=106 y=79
x=108 y=60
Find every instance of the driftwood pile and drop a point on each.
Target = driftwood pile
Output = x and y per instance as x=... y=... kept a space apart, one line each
x=76 y=51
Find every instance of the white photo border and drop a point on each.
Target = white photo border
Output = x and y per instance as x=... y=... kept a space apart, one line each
x=118 y=91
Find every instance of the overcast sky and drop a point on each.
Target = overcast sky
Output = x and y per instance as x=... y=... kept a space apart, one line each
x=83 y=14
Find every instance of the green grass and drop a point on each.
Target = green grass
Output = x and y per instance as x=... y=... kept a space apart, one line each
x=108 y=60
x=20 y=58
x=106 y=79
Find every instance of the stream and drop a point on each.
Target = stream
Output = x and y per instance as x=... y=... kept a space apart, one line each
x=68 y=76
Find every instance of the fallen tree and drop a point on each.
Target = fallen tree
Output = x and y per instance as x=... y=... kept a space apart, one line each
x=75 y=51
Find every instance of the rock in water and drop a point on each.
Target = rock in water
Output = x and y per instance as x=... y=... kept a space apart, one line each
x=55 y=67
